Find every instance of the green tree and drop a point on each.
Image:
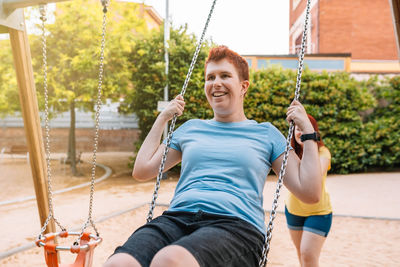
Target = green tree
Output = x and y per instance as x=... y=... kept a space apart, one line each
x=9 y=101
x=148 y=77
x=73 y=43
x=383 y=126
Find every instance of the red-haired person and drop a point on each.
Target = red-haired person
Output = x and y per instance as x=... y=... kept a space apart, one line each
x=309 y=224
x=216 y=217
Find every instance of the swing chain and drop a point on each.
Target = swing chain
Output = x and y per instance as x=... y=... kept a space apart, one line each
x=172 y=126
x=194 y=59
x=266 y=247
x=97 y=120
x=43 y=18
x=47 y=128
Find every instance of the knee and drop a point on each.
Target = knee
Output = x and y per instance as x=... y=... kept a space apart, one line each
x=165 y=259
x=173 y=256
x=308 y=257
x=110 y=263
x=121 y=260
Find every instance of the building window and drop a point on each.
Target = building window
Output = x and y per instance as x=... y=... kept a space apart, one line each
x=262 y=64
x=249 y=61
x=312 y=64
x=328 y=64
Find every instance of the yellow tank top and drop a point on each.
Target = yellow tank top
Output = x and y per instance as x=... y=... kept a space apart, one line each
x=323 y=207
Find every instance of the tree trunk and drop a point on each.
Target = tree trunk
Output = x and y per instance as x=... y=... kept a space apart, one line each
x=71 y=141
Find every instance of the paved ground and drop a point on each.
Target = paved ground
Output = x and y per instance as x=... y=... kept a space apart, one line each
x=352 y=241
x=365 y=195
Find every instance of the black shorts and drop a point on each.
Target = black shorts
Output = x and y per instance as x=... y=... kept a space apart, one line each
x=214 y=240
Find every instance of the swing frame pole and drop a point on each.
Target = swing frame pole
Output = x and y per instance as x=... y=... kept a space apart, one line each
x=28 y=99
x=30 y=115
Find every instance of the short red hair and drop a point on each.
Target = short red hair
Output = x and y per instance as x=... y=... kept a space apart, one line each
x=223 y=52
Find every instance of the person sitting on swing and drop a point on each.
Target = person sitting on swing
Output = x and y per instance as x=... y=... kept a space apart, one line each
x=216 y=215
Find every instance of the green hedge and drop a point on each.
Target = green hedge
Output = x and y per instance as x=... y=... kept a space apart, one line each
x=358 y=142
x=334 y=99
x=382 y=140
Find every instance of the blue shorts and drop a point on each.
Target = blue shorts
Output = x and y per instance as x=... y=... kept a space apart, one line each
x=317 y=224
x=214 y=240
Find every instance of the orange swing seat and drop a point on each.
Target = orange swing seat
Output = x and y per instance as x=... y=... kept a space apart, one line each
x=85 y=249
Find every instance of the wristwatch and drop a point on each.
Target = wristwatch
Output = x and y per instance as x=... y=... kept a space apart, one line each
x=312 y=136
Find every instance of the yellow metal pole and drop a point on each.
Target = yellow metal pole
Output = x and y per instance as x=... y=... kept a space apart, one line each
x=30 y=114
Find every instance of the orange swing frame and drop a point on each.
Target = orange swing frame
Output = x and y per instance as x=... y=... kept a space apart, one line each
x=84 y=249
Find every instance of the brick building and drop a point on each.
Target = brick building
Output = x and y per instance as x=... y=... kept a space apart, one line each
x=356 y=36
x=361 y=28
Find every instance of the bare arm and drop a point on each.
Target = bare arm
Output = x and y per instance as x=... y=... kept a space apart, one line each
x=325 y=163
x=150 y=153
x=302 y=177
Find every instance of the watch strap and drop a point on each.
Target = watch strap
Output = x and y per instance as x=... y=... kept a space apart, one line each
x=312 y=136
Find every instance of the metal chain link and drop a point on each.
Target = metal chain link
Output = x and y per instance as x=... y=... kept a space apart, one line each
x=97 y=123
x=172 y=126
x=43 y=18
x=264 y=259
x=97 y=120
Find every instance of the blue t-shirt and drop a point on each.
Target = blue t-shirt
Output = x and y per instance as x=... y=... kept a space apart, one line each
x=224 y=167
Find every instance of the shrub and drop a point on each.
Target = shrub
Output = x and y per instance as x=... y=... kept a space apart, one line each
x=383 y=127
x=334 y=99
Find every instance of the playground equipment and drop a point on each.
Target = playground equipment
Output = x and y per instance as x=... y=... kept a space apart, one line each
x=12 y=21
x=12 y=16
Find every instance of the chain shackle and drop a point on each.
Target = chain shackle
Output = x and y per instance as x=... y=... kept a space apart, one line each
x=105 y=4
x=264 y=258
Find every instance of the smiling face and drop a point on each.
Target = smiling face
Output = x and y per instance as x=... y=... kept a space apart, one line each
x=225 y=91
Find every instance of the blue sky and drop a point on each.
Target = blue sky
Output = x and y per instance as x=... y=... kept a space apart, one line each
x=246 y=26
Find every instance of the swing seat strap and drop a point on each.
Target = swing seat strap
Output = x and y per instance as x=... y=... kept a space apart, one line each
x=50 y=254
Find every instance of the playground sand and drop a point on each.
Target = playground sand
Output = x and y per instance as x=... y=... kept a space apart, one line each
x=353 y=241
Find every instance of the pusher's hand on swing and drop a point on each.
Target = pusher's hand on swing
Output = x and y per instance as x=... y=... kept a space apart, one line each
x=297 y=113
